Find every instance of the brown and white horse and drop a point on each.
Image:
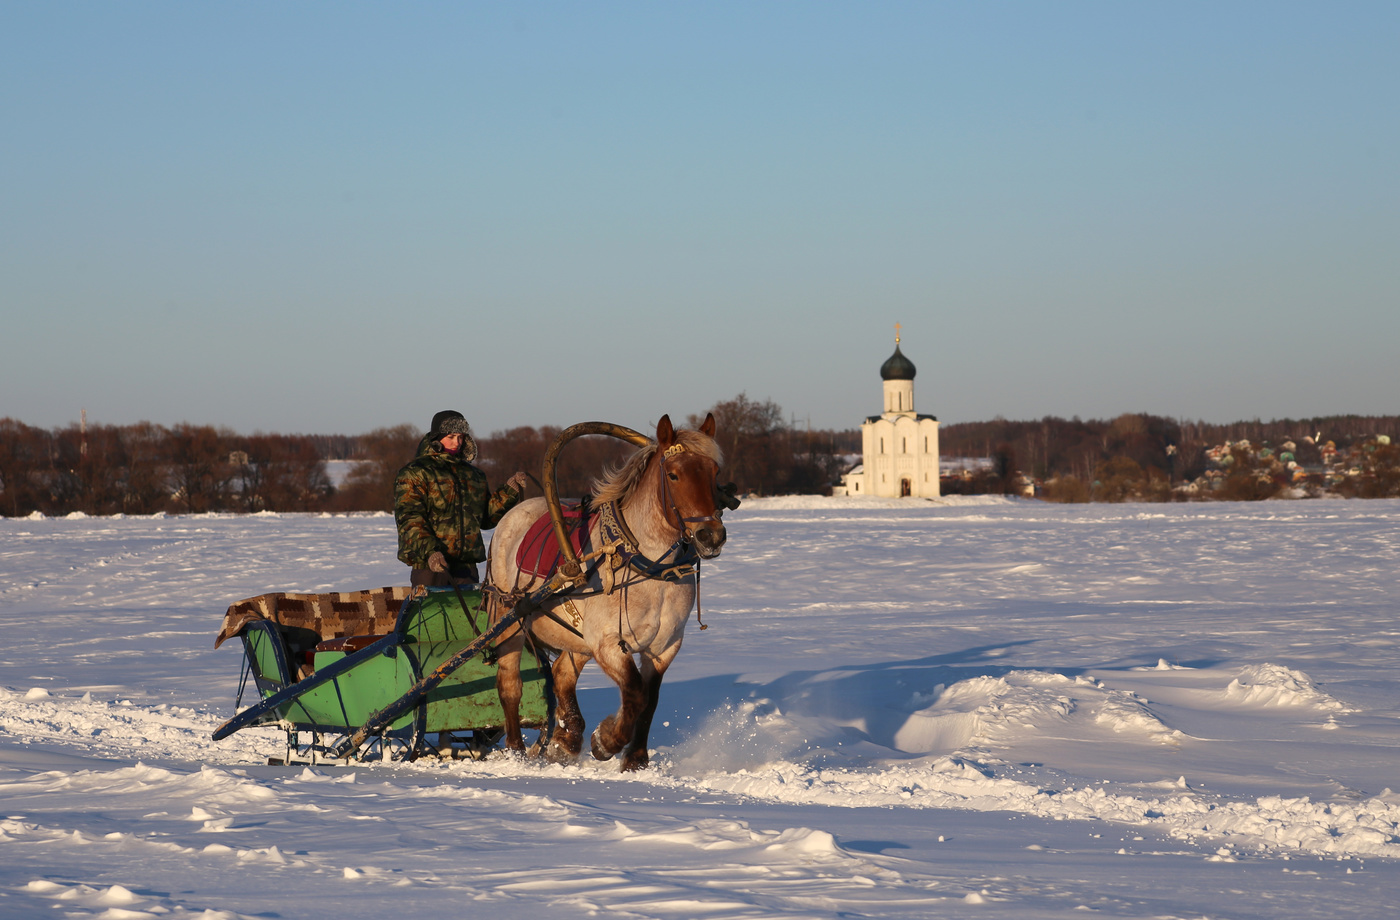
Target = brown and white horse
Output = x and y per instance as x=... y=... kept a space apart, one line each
x=660 y=512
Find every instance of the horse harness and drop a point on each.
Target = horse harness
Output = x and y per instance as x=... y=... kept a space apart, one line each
x=619 y=560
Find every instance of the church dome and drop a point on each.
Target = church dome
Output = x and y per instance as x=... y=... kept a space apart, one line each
x=897 y=367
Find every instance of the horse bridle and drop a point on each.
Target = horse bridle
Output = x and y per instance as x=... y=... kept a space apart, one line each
x=668 y=500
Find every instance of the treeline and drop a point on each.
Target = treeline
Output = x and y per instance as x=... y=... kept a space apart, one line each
x=1142 y=456
x=191 y=469
x=146 y=468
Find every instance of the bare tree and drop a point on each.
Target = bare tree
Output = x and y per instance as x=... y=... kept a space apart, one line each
x=200 y=471
x=583 y=461
x=146 y=483
x=23 y=452
x=747 y=432
x=370 y=485
x=280 y=473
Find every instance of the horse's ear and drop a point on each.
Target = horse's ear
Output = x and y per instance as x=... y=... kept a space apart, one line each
x=708 y=429
x=665 y=434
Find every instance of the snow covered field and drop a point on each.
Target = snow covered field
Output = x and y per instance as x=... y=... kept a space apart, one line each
x=982 y=708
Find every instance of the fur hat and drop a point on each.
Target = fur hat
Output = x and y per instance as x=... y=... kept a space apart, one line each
x=449 y=421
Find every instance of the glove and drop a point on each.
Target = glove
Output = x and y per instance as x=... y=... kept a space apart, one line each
x=437 y=562
x=516 y=481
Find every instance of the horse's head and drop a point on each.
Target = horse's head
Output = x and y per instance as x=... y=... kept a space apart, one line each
x=688 y=488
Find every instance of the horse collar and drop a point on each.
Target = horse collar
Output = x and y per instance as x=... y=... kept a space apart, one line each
x=613 y=529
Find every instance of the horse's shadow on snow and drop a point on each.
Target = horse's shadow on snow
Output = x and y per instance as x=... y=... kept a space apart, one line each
x=867 y=702
x=853 y=703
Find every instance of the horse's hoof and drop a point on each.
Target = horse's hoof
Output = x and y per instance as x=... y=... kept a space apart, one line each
x=635 y=760
x=601 y=749
x=559 y=753
x=595 y=745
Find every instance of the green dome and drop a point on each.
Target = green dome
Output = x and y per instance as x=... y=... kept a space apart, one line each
x=897 y=367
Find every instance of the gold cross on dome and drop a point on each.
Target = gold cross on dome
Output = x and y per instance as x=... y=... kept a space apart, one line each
x=897 y=327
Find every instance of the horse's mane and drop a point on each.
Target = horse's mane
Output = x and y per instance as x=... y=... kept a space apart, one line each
x=620 y=481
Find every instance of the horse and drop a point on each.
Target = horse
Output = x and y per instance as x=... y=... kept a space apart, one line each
x=656 y=516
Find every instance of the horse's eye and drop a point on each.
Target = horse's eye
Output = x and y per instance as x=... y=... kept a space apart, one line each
x=674 y=477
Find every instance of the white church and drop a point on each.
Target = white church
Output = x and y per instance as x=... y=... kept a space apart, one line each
x=899 y=445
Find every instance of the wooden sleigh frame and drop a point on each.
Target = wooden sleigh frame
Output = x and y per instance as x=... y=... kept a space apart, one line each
x=323 y=664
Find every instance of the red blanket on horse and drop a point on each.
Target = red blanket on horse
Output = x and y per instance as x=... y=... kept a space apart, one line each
x=538 y=553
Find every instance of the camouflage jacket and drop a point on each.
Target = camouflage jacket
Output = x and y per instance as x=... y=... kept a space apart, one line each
x=441 y=504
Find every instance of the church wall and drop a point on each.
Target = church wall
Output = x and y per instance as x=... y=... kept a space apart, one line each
x=902 y=447
x=914 y=442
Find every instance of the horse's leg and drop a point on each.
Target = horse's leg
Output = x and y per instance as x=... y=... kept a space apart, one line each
x=635 y=757
x=508 y=688
x=506 y=579
x=567 y=740
x=615 y=732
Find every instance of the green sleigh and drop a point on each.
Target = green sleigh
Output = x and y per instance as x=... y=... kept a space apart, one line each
x=323 y=664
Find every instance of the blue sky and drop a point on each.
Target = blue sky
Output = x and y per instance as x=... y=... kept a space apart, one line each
x=334 y=217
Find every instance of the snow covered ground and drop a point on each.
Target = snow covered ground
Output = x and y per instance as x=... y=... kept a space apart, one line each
x=979 y=708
